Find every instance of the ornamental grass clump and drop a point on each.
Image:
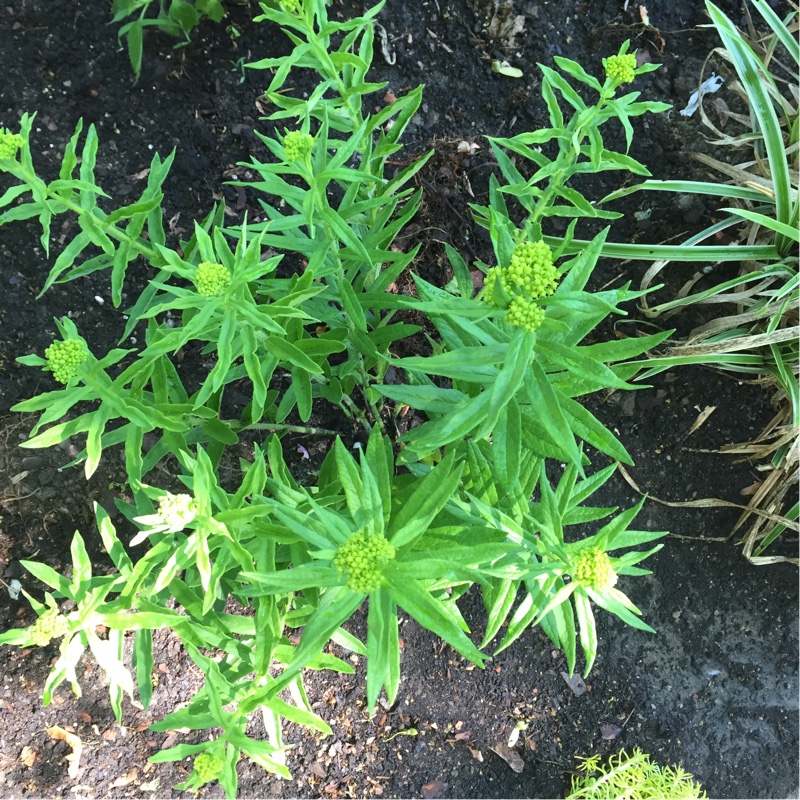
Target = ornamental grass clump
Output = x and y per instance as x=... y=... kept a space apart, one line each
x=754 y=332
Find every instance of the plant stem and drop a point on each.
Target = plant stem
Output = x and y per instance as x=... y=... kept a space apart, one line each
x=561 y=177
x=136 y=243
x=351 y=409
x=280 y=426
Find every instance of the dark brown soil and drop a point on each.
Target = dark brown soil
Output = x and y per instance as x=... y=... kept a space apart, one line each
x=715 y=690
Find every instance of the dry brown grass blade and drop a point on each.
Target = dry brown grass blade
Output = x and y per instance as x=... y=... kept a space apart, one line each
x=737 y=344
x=721 y=324
x=741 y=297
x=738 y=174
x=713 y=502
x=773 y=491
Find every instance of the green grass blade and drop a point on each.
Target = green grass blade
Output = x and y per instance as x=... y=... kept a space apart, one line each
x=692 y=187
x=780 y=29
x=773 y=224
x=754 y=79
x=653 y=252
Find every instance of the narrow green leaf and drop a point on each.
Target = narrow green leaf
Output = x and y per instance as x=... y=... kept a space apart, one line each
x=383 y=648
x=428 y=499
x=432 y=614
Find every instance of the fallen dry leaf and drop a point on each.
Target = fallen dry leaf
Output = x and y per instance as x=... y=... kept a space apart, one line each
x=511 y=757
x=701 y=418
x=433 y=789
x=476 y=754
x=27 y=756
x=576 y=683
x=150 y=787
x=317 y=769
x=170 y=741
x=609 y=732
x=751 y=489
x=74 y=742
x=466 y=148
x=124 y=780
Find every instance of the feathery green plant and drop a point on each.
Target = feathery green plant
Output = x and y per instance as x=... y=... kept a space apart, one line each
x=633 y=776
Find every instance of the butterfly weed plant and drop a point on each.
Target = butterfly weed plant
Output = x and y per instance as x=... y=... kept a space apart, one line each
x=465 y=499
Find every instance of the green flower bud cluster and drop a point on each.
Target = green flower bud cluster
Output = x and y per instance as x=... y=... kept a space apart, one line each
x=176 y=511
x=208 y=767
x=211 y=278
x=490 y=281
x=362 y=557
x=530 y=275
x=532 y=269
x=524 y=313
x=51 y=625
x=621 y=69
x=9 y=143
x=289 y=5
x=64 y=358
x=593 y=569
x=297 y=145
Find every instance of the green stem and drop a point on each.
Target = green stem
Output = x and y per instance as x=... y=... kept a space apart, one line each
x=121 y=236
x=280 y=426
x=563 y=175
x=352 y=410
x=376 y=415
x=328 y=70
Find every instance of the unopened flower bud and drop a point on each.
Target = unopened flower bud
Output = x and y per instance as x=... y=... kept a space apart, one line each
x=532 y=269
x=176 y=511
x=297 y=145
x=64 y=358
x=593 y=569
x=9 y=143
x=51 y=625
x=208 y=766
x=524 y=313
x=211 y=279
x=362 y=557
x=622 y=68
